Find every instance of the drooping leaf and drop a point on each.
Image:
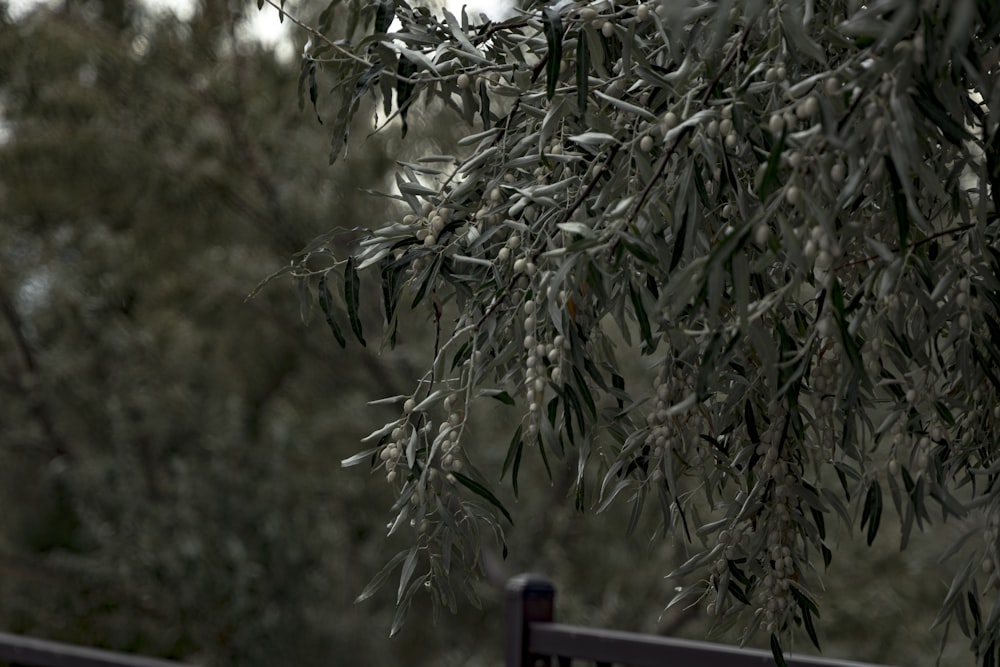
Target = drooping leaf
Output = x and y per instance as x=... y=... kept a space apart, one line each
x=499 y=395
x=776 y=652
x=352 y=297
x=898 y=203
x=326 y=17
x=405 y=69
x=640 y=314
x=769 y=183
x=384 y=15
x=482 y=492
x=379 y=579
x=552 y=25
x=484 y=105
x=326 y=305
x=582 y=73
x=341 y=128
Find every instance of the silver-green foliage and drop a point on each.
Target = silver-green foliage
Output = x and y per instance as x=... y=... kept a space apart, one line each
x=789 y=208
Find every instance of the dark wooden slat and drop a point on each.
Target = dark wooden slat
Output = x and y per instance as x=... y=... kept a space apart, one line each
x=31 y=652
x=637 y=650
x=529 y=598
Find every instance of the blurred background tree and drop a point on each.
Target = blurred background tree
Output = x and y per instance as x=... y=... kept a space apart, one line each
x=169 y=451
x=170 y=471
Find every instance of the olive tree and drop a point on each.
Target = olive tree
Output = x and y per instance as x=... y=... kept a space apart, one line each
x=789 y=209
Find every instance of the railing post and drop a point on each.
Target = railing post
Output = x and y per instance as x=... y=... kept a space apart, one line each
x=530 y=598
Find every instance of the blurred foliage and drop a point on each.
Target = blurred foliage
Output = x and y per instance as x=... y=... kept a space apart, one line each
x=170 y=451
x=170 y=462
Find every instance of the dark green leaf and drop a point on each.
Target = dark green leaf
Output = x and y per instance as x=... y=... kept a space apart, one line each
x=326 y=305
x=779 y=656
x=515 y=444
x=482 y=492
x=820 y=522
x=618 y=382
x=313 y=89
x=898 y=203
x=581 y=383
x=341 y=128
x=582 y=73
x=390 y=295
x=843 y=323
x=404 y=88
x=751 y=423
x=462 y=355
x=640 y=314
x=933 y=110
x=352 y=297
x=738 y=593
x=517 y=467
x=384 y=15
x=379 y=579
x=326 y=17
x=499 y=395
x=977 y=617
x=769 y=183
x=553 y=36
x=484 y=105
x=872 y=512
x=679 y=237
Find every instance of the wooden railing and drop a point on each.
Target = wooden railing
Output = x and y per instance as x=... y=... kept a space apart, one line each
x=533 y=639
x=18 y=651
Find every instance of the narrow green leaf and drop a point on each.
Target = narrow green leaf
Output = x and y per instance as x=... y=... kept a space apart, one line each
x=405 y=69
x=779 y=656
x=934 y=111
x=390 y=295
x=843 y=323
x=462 y=355
x=977 y=617
x=553 y=36
x=484 y=105
x=808 y=608
x=515 y=444
x=341 y=129
x=499 y=395
x=352 y=297
x=517 y=468
x=582 y=73
x=898 y=203
x=379 y=579
x=482 y=492
x=819 y=521
x=751 y=423
x=409 y=565
x=678 y=242
x=737 y=592
x=326 y=305
x=384 y=15
x=640 y=314
x=769 y=183
x=326 y=17
x=872 y=513
x=585 y=394
x=314 y=89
